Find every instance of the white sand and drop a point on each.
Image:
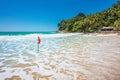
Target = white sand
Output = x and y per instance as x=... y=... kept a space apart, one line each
x=85 y=57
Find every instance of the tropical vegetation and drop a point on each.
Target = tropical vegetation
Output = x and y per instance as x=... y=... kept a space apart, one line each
x=93 y=22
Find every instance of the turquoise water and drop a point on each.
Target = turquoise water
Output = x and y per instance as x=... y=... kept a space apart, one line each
x=19 y=51
x=24 y=33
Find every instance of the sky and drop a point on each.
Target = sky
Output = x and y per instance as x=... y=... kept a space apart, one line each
x=44 y=15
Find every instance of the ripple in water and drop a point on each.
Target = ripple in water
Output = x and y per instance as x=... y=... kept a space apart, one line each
x=61 y=56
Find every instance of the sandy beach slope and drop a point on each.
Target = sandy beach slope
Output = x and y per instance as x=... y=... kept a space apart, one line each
x=75 y=57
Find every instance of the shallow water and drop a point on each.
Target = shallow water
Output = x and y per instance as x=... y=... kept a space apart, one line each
x=60 y=57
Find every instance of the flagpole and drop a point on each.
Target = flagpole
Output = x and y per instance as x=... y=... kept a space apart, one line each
x=38 y=47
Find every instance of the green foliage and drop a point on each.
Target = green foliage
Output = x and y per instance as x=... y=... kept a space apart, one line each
x=117 y=25
x=93 y=22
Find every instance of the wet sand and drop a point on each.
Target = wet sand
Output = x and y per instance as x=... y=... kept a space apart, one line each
x=97 y=59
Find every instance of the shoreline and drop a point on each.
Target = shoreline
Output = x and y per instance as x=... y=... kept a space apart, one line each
x=96 y=33
x=69 y=58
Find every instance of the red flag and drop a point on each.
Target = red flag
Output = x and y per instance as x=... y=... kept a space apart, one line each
x=39 y=40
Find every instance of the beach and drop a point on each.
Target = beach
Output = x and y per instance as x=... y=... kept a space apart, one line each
x=61 y=56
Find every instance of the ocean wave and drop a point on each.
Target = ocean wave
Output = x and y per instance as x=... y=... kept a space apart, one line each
x=34 y=36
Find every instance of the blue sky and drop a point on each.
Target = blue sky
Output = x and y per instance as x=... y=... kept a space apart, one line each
x=44 y=15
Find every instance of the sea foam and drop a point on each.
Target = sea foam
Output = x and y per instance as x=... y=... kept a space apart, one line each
x=31 y=36
x=61 y=56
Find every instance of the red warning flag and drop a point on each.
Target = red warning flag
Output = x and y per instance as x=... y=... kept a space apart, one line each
x=39 y=40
